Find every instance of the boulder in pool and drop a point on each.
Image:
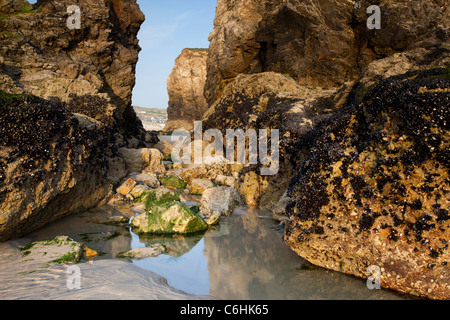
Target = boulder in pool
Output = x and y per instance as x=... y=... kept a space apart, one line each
x=169 y=218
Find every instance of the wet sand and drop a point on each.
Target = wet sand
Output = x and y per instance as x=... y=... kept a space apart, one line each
x=244 y=258
x=103 y=278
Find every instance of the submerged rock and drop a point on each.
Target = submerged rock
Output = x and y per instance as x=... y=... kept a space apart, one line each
x=175 y=245
x=143 y=253
x=373 y=191
x=59 y=250
x=214 y=219
x=219 y=201
x=170 y=218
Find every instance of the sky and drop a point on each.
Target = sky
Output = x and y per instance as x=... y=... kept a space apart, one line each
x=169 y=27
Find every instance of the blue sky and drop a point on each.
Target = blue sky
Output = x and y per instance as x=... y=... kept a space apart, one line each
x=169 y=27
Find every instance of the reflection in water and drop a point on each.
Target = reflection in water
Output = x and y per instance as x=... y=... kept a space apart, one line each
x=176 y=246
x=187 y=272
x=102 y=229
x=243 y=258
x=247 y=259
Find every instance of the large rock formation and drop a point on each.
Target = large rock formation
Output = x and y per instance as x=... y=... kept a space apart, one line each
x=318 y=43
x=185 y=87
x=65 y=100
x=373 y=190
x=370 y=185
x=269 y=101
x=41 y=55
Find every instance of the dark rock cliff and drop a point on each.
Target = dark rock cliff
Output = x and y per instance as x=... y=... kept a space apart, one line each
x=41 y=55
x=65 y=107
x=365 y=161
x=318 y=43
x=373 y=189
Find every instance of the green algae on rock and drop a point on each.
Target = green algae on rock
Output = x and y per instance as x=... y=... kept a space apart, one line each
x=58 y=250
x=374 y=189
x=170 y=218
x=157 y=197
x=173 y=181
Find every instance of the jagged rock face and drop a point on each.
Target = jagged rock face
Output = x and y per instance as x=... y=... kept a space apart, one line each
x=319 y=43
x=269 y=101
x=185 y=88
x=233 y=47
x=397 y=64
x=61 y=134
x=8 y=6
x=52 y=163
x=40 y=55
x=373 y=190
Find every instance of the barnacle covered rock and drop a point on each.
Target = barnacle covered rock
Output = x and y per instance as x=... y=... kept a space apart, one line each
x=374 y=189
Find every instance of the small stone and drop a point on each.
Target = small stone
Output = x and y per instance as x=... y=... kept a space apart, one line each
x=138 y=191
x=89 y=253
x=225 y=180
x=214 y=219
x=219 y=200
x=147 y=179
x=198 y=186
x=143 y=253
x=126 y=187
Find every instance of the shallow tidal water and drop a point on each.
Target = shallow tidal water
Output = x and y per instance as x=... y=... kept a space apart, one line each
x=243 y=258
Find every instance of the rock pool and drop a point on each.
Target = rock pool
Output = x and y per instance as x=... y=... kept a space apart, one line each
x=244 y=257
